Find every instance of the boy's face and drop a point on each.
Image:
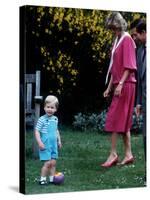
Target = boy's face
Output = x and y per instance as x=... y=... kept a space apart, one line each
x=50 y=108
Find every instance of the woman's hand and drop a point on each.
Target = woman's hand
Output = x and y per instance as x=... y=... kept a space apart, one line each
x=118 y=89
x=106 y=93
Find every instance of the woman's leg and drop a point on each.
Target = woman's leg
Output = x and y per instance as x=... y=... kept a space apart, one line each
x=113 y=152
x=112 y=159
x=128 y=152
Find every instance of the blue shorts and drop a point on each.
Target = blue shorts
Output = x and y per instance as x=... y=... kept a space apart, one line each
x=50 y=151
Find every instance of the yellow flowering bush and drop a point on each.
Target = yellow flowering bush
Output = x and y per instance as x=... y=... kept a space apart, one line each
x=63 y=33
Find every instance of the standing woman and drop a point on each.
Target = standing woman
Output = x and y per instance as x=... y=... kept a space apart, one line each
x=122 y=82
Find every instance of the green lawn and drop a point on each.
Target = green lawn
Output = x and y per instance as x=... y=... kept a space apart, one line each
x=80 y=160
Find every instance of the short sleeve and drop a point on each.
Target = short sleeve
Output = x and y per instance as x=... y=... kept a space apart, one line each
x=39 y=124
x=129 y=53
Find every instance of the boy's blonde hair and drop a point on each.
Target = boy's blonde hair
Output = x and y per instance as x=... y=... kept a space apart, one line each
x=51 y=99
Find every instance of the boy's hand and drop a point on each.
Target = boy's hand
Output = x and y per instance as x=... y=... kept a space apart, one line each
x=59 y=145
x=41 y=146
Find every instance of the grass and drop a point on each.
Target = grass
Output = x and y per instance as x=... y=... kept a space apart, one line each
x=80 y=160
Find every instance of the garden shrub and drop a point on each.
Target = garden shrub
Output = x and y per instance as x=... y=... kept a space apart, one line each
x=96 y=122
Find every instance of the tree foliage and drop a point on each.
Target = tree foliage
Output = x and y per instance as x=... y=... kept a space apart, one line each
x=71 y=47
x=63 y=31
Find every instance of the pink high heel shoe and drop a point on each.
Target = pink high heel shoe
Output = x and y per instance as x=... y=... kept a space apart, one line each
x=111 y=163
x=128 y=161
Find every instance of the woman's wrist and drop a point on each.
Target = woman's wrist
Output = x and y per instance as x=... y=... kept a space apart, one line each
x=121 y=83
x=109 y=89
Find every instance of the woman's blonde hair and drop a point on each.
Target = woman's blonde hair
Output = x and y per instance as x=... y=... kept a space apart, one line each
x=116 y=20
x=51 y=99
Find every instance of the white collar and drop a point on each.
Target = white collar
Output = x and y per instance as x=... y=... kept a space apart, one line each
x=113 y=50
x=120 y=40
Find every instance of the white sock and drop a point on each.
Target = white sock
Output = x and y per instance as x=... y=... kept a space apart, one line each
x=51 y=178
x=43 y=178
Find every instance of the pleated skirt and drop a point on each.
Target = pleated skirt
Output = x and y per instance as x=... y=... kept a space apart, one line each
x=119 y=115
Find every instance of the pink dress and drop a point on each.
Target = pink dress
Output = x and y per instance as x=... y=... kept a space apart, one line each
x=119 y=116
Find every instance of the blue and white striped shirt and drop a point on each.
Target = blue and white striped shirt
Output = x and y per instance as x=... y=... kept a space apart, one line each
x=43 y=122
